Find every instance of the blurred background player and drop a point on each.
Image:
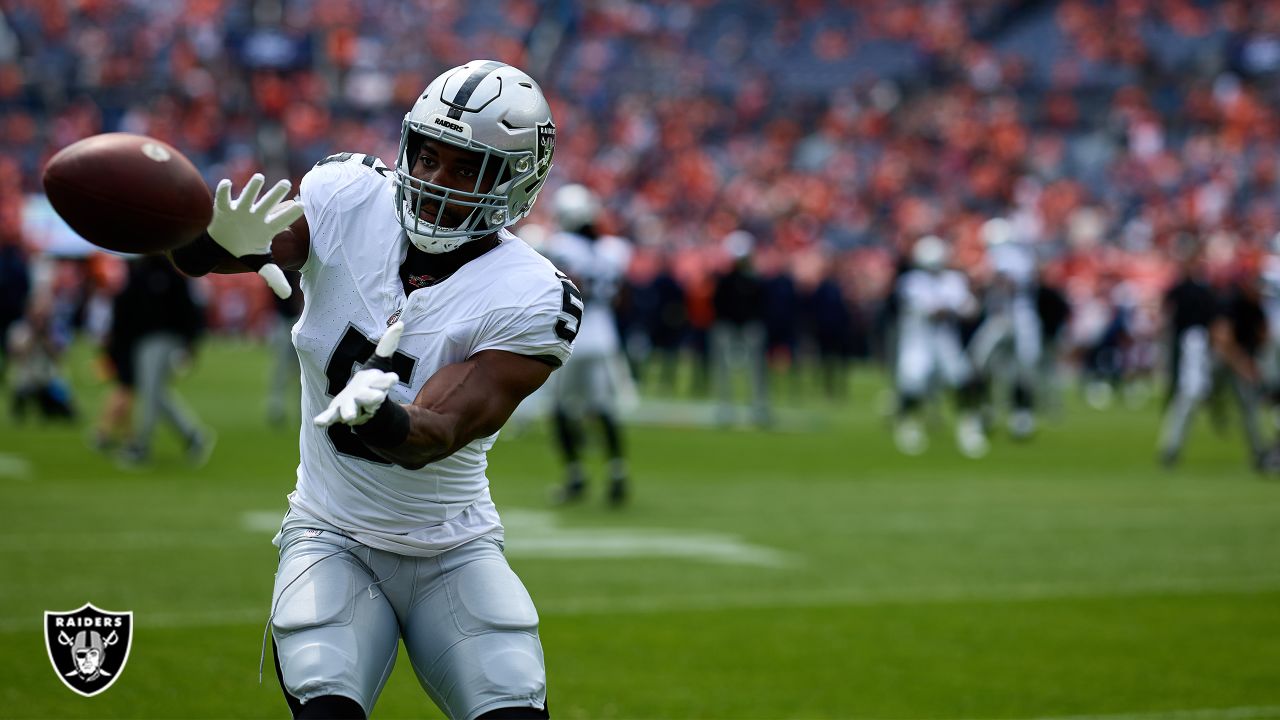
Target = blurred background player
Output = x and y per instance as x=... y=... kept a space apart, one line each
x=1269 y=365
x=115 y=419
x=931 y=302
x=15 y=287
x=738 y=333
x=1238 y=336
x=589 y=384
x=36 y=349
x=155 y=325
x=1006 y=347
x=1054 y=312
x=1190 y=308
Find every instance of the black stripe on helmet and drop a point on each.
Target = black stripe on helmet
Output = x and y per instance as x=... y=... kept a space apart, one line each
x=460 y=100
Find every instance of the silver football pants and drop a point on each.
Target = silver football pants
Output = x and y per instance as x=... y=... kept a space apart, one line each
x=468 y=624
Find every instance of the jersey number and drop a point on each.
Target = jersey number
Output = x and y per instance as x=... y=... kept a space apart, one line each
x=368 y=161
x=352 y=350
x=571 y=304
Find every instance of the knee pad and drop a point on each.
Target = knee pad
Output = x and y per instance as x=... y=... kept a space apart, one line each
x=491 y=598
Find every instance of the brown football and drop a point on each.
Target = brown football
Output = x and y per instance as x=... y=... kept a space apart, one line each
x=129 y=193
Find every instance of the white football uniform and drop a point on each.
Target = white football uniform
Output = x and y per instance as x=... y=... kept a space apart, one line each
x=929 y=346
x=1269 y=356
x=1012 y=324
x=591 y=379
x=510 y=299
x=371 y=552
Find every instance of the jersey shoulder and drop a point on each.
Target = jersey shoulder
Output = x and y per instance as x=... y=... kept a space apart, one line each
x=338 y=192
x=340 y=178
x=527 y=271
x=529 y=307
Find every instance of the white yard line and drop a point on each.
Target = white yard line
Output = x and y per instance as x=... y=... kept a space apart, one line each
x=15 y=467
x=538 y=534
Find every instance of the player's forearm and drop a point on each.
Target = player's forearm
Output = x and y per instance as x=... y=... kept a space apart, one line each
x=203 y=256
x=289 y=250
x=409 y=436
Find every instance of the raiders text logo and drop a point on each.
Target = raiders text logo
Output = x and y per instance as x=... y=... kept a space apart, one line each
x=88 y=647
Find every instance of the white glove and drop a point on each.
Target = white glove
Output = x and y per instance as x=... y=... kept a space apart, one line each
x=368 y=388
x=246 y=225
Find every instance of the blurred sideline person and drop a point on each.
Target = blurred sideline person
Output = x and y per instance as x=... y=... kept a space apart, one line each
x=1239 y=334
x=15 y=288
x=1054 y=312
x=587 y=385
x=831 y=327
x=36 y=348
x=1190 y=308
x=155 y=323
x=425 y=323
x=931 y=302
x=1008 y=342
x=1269 y=366
x=285 y=373
x=668 y=326
x=738 y=333
x=114 y=425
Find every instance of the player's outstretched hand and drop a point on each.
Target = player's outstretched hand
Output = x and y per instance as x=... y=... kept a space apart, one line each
x=368 y=388
x=246 y=225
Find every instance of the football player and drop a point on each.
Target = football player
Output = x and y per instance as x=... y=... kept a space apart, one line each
x=1010 y=333
x=738 y=332
x=425 y=323
x=1190 y=309
x=932 y=300
x=587 y=386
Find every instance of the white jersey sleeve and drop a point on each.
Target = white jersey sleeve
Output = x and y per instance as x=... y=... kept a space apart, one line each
x=336 y=183
x=545 y=322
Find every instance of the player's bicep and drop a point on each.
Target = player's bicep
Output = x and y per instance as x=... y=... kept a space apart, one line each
x=477 y=396
x=291 y=247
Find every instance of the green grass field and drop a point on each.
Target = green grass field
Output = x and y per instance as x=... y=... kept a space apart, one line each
x=807 y=573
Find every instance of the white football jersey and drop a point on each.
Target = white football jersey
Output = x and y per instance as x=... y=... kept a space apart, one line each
x=1016 y=261
x=922 y=294
x=599 y=268
x=510 y=298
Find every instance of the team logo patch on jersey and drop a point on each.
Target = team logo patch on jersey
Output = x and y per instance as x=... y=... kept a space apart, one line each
x=88 y=647
x=546 y=146
x=394 y=317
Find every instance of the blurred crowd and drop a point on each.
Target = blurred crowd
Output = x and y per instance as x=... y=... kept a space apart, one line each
x=836 y=134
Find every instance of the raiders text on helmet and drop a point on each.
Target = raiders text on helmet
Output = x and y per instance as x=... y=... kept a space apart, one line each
x=495 y=111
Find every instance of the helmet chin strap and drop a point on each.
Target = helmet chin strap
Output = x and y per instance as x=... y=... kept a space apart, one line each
x=432 y=244
x=435 y=245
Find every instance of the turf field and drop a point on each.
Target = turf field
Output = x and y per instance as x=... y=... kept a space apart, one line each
x=809 y=572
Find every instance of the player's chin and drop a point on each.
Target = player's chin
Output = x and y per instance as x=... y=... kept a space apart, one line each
x=432 y=215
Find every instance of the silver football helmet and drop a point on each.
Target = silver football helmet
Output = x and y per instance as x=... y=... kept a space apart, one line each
x=930 y=253
x=495 y=111
x=575 y=207
x=997 y=231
